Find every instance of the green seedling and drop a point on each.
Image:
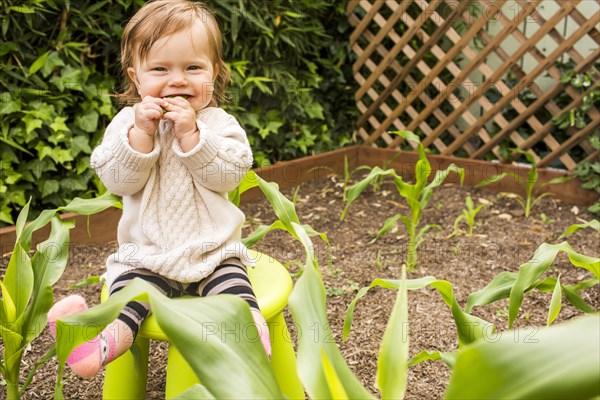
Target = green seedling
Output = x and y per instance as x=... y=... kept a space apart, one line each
x=532 y=197
x=482 y=353
x=282 y=206
x=513 y=285
x=468 y=215
x=27 y=284
x=348 y=175
x=417 y=196
x=593 y=224
x=546 y=220
x=375 y=183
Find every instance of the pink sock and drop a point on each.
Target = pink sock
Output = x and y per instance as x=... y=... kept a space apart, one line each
x=89 y=357
x=263 y=331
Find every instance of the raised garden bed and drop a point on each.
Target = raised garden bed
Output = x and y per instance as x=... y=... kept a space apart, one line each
x=503 y=240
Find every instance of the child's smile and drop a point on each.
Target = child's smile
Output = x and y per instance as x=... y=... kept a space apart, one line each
x=178 y=65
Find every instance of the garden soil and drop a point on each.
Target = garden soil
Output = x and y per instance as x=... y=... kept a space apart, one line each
x=503 y=239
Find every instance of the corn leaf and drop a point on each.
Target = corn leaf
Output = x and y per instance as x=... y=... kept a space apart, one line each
x=307 y=305
x=546 y=285
x=497 y=178
x=8 y=305
x=89 y=281
x=386 y=283
x=422 y=172
x=408 y=135
x=12 y=342
x=196 y=326
x=555 y=302
x=440 y=177
x=259 y=233
x=333 y=381
x=393 y=353
x=419 y=237
x=248 y=182
x=42 y=220
x=18 y=280
x=530 y=271
x=594 y=224
x=21 y=220
x=562 y=362
x=576 y=300
x=196 y=392
x=49 y=263
x=448 y=358
x=470 y=328
x=586 y=284
x=77 y=205
x=388 y=225
x=498 y=288
x=355 y=190
x=92 y=206
x=282 y=206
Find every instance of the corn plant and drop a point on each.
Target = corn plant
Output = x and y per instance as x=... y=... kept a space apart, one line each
x=417 y=195
x=282 y=206
x=490 y=365
x=468 y=215
x=513 y=285
x=532 y=196
x=27 y=284
x=321 y=367
x=469 y=327
x=594 y=224
x=348 y=176
x=564 y=363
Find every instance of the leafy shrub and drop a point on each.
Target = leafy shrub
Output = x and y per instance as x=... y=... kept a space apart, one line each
x=292 y=79
x=59 y=63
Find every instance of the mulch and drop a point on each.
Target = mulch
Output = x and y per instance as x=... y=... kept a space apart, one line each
x=503 y=239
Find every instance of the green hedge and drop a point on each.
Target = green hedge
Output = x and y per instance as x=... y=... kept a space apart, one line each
x=59 y=61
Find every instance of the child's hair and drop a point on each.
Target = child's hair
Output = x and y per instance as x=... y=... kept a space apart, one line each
x=160 y=18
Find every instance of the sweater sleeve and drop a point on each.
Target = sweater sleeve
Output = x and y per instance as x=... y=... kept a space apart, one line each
x=222 y=157
x=123 y=170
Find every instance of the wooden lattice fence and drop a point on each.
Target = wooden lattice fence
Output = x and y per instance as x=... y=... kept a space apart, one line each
x=478 y=78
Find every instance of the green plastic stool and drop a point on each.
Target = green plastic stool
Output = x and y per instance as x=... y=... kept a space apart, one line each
x=126 y=379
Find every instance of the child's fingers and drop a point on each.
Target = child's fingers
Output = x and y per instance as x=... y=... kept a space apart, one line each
x=148 y=112
x=151 y=109
x=151 y=100
x=177 y=102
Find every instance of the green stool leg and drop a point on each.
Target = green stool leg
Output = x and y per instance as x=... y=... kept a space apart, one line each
x=180 y=376
x=126 y=376
x=283 y=360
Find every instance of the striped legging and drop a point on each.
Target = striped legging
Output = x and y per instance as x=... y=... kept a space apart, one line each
x=229 y=277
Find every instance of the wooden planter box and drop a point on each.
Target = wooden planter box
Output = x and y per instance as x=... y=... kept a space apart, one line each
x=103 y=226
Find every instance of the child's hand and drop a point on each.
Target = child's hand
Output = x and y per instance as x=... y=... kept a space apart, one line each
x=183 y=115
x=147 y=115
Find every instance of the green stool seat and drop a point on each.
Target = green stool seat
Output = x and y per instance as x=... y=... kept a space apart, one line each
x=126 y=376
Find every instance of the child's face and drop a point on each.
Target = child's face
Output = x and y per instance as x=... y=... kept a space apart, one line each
x=178 y=65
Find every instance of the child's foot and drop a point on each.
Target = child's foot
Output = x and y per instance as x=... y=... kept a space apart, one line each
x=263 y=330
x=89 y=357
x=68 y=306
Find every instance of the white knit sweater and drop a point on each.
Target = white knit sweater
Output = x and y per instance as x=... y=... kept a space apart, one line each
x=177 y=220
